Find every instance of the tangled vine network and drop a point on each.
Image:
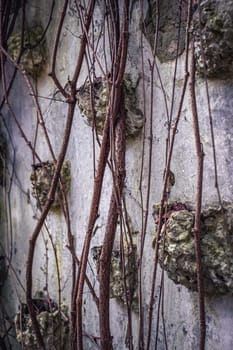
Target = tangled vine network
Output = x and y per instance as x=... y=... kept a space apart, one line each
x=109 y=154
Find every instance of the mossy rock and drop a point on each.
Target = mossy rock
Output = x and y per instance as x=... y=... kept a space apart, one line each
x=213 y=35
x=34 y=54
x=95 y=114
x=41 y=179
x=177 y=248
x=53 y=323
x=117 y=287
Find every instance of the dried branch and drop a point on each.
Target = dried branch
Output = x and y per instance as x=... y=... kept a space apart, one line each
x=37 y=230
x=167 y=172
x=197 y=223
x=106 y=252
x=54 y=56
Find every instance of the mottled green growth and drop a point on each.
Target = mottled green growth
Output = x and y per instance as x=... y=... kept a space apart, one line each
x=216 y=240
x=95 y=109
x=171 y=27
x=53 y=323
x=100 y=91
x=213 y=35
x=117 y=289
x=41 y=179
x=121 y=272
x=34 y=52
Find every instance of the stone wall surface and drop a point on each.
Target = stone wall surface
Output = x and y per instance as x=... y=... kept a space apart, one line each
x=181 y=304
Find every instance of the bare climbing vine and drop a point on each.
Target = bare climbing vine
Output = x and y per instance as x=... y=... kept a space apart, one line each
x=109 y=155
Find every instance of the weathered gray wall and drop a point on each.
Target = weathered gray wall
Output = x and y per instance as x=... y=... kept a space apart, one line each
x=181 y=311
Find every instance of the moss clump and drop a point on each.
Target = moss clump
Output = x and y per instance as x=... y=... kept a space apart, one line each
x=213 y=34
x=96 y=113
x=53 y=323
x=177 y=248
x=41 y=179
x=118 y=289
x=34 y=53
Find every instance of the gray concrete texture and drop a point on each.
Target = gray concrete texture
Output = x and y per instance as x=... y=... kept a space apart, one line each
x=181 y=305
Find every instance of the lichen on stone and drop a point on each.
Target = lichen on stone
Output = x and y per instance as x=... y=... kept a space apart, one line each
x=213 y=34
x=41 y=179
x=95 y=114
x=34 y=53
x=118 y=289
x=177 y=248
x=53 y=323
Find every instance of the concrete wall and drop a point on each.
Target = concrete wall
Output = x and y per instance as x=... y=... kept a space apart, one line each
x=181 y=305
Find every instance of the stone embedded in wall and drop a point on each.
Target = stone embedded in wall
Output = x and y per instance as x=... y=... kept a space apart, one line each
x=177 y=248
x=117 y=287
x=171 y=28
x=41 y=179
x=101 y=93
x=34 y=51
x=54 y=324
x=213 y=32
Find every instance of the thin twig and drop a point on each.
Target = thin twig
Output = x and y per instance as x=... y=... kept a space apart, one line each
x=197 y=223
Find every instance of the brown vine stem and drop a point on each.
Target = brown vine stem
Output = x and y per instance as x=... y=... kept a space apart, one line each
x=118 y=151
x=78 y=295
x=35 y=235
x=143 y=161
x=104 y=151
x=60 y=160
x=166 y=175
x=149 y=166
x=216 y=184
x=54 y=57
x=40 y=117
x=169 y=127
x=200 y=159
x=106 y=252
x=33 y=94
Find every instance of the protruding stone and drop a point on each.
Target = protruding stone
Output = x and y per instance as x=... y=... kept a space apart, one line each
x=95 y=110
x=41 y=179
x=34 y=53
x=213 y=34
x=177 y=248
x=53 y=323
